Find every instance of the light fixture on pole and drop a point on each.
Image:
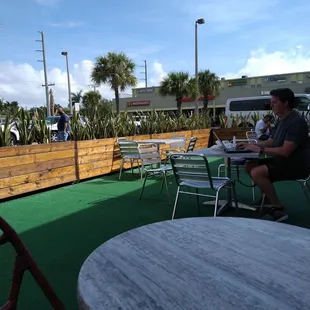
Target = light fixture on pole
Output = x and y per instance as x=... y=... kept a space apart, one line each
x=199 y=21
x=69 y=84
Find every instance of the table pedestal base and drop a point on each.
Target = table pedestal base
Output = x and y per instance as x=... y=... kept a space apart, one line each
x=223 y=205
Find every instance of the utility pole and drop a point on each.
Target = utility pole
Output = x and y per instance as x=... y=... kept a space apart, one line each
x=144 y=72
x=199 y=21
x=69 y=84
x=46 y=85
x=94 y=86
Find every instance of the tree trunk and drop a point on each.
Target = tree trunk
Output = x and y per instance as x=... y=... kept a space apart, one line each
x=205 y=103
x=116 y=100
x=179 y=106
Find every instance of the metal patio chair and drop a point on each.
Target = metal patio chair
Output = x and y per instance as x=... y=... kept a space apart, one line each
x=129 y=150
x=236 y=164
x=190 y=148
x=191 y=144
x=150 y=156
x=193 y=171
x=179 y=146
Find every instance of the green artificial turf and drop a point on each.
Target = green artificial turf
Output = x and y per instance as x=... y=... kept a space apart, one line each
x=61 y=227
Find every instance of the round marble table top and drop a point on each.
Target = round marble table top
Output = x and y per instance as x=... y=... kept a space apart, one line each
x=200 y=263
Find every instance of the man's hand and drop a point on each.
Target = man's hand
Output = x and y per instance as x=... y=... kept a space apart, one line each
x=252 y=147
x=241 y=145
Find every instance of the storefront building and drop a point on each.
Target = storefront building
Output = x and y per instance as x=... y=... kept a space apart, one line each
x=146 y=99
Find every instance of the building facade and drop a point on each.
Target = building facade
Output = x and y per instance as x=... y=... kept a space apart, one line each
x=146 y=99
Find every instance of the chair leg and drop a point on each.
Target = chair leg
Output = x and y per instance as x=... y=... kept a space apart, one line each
x=305 y=189
x=216 y=203
x=121 y=169
x=253 y=192
x=131 y=165
x=233 y=184
x=141 y=171
x=167 y=188
x=142 y=189
x=175 y=202
x=262 y=204
x=138 y=165
x=47 y=289
x=162 y=182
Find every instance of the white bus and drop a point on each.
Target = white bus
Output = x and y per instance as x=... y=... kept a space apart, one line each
x=245 y=107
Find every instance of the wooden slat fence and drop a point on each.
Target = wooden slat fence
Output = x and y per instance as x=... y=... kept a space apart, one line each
x=30 y=168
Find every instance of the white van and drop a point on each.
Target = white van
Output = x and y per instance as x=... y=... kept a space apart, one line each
x=246 y=107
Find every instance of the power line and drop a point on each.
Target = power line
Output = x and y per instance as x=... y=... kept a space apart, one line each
x=144 y=73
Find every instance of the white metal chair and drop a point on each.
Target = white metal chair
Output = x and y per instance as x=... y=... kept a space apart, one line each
x=193 y=171
x=150 y=156
x=179 y=146
x=191 y=144
x=236 y=164
x=251 y=135
x=190 y=148
x=129 y=150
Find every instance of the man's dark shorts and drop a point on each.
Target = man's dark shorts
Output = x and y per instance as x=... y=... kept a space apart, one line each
x=281 y=170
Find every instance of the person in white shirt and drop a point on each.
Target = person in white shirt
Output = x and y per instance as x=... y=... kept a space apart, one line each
x=262 y=128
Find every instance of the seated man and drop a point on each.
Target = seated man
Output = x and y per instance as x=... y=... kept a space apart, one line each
x=288 y=148
x=262 y=128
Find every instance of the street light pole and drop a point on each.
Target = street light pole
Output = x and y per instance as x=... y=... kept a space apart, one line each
x=199 y=21
x=69 y=84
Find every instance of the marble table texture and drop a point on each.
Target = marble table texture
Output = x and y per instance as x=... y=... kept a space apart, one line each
x=200 y=263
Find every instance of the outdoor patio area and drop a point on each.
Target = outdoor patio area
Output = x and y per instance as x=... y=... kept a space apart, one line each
x=61 y=227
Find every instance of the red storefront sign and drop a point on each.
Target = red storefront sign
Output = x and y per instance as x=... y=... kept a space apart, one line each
x=140 y=103
x=200 y=99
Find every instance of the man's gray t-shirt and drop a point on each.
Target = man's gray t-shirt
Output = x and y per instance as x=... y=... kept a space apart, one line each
x=293 y=128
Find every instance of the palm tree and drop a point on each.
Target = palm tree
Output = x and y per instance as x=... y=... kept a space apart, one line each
x=77 y=97
x=116 y=70
x=91 y=99
x=209 y=85
x=179 y=85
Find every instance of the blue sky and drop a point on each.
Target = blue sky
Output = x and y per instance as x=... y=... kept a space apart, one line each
x=162 y=32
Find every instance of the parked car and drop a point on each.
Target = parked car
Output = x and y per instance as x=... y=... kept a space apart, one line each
x=52 y=121
x=15 y=137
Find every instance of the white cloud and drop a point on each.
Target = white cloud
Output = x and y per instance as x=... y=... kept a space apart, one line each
x=261 y=62
x=23 y=83
x=158 y=73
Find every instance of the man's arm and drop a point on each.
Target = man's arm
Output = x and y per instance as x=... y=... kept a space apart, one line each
x=294 y=137
x=267 y=143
